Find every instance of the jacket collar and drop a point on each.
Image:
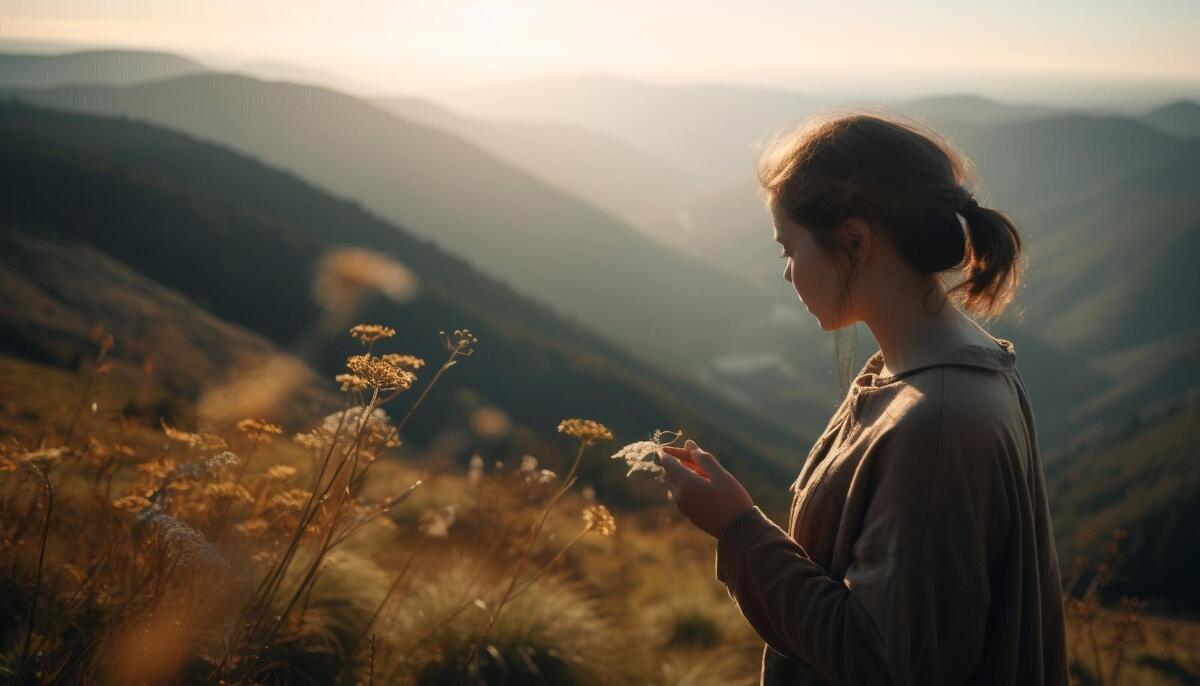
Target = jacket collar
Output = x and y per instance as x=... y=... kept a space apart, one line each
x=1000 y=357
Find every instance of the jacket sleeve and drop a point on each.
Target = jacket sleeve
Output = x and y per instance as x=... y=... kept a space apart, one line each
x=913 y=604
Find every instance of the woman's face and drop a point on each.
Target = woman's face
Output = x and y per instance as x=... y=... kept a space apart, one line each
x=809 y=269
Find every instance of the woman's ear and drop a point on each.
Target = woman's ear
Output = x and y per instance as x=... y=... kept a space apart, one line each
x=855 y=234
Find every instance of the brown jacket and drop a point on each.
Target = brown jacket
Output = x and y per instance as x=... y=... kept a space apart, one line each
x=919 y=548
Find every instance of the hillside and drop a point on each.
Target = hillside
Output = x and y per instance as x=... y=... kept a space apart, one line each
x=1180 y=118
x=501 y=219
x=1139 y=475
x=157 y=200
x=603 y=170
x=116 y=67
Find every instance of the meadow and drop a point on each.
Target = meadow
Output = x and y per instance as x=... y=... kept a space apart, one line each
x=140 y=548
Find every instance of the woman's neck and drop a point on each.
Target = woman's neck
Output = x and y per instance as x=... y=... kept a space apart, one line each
x=910 y=337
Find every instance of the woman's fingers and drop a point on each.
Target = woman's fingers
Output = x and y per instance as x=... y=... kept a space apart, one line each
x=685 y=456
x=681 y=477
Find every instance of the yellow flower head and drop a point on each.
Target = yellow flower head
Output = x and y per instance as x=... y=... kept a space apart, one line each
x=599 y=519
x=380 y=374
x=369 y=333
x=585 y=430
x=199 y=441
x=44 y=458
x=351 y=383
x=131 y=503
x=228 y=489
x=404 y=361
x=281 y=471
x=258 y=430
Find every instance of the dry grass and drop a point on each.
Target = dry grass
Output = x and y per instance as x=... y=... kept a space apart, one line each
x=133 y=550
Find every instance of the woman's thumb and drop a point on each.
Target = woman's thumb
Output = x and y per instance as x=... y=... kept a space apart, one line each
x=708 y=462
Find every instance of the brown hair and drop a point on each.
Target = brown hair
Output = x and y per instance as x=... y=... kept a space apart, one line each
x=911 y=185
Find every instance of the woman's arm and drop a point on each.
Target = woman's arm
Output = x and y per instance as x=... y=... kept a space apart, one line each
x=912 y=606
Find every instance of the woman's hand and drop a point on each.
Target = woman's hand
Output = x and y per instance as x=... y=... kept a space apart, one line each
x=703 y=491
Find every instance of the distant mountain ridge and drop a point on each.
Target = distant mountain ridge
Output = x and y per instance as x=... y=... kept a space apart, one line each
x=118 y=67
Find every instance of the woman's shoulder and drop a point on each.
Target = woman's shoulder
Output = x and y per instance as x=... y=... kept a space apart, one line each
x=961 y=403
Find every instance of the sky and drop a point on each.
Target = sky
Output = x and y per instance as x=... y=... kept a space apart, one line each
x=1093 y=50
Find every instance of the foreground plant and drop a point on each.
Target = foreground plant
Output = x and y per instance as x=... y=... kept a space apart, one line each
x=587 y=432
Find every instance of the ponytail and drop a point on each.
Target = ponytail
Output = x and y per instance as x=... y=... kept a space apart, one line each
x=992 y=267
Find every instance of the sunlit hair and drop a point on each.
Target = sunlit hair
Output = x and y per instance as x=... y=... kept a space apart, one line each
x=911 y=186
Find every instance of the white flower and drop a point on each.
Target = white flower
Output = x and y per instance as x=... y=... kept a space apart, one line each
x=642 y=456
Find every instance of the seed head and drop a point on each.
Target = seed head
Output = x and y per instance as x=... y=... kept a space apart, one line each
x=404 y=361
x=131 y=503
x=586 y=430
x=198 y=441
x=369 y=333
x=380 y=374
x=351 y=383
x=461 y=342
x=599 y=519
x=259 y=430
x=281 y=472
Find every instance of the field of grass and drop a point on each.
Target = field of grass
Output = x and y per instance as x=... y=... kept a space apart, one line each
x=137 y=548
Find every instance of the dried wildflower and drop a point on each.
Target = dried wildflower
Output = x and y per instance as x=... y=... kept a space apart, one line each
x=259 y=430
x=313 y=440
x=599 y=519
x=461 y=342
x=131 y=503
x=542 y=476
x=586 y=430
x=528 y=463
x=369 y=333
x=228 y=489
x=157 y=469
x=198 y=441
x=291 y=499
x=404 y=361
x=281 y=472
x=253 y=527
x=350 y=383
x=436 y=524
x=475 y=469
x=646 y=456
x=380 y=374
x=43 y=459
x=588 y=493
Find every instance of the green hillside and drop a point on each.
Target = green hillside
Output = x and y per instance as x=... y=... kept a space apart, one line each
x=548 y=245
x=1141 y=475
x=241 y=239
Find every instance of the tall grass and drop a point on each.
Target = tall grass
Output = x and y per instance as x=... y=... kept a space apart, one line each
x=134 y=551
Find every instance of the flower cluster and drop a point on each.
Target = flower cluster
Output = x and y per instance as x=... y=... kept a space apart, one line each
x=586 y=430
x=461 y=342
x=404 y=361
x=259 y=430
x=196 y=441
x=369 y=333
x=599 y=519
x=646 y=456
x=379 y=374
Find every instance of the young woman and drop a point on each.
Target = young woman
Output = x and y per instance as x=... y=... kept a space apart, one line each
x=919 y=548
